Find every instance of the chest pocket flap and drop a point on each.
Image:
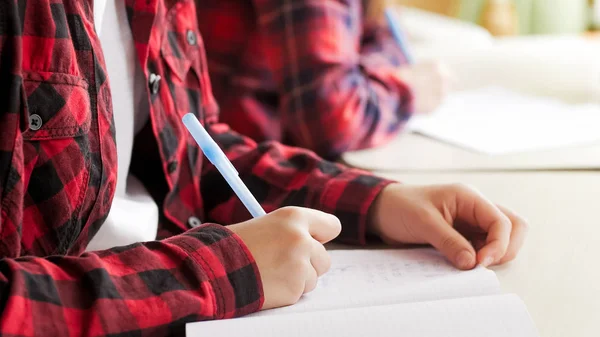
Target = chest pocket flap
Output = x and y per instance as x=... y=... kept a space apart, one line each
x=58 y=106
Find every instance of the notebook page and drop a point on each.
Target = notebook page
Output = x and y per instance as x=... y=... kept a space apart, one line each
x=490 y=316
x=361 y=278
x=498 y=121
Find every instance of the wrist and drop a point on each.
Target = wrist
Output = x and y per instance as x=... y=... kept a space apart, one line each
x=376 y=214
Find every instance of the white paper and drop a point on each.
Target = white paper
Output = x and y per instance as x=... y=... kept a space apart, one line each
x=498 y=121
x=360 y=278
x=493 y=316
x=427 y=28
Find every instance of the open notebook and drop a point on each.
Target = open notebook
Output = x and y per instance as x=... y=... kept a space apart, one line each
x=494 y=120
x=389 y=293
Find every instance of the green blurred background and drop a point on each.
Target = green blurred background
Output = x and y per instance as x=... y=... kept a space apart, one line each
x=531 y=16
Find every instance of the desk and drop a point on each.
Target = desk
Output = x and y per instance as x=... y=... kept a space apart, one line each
x=413 y=152
x=530 y=65
x=557 y=273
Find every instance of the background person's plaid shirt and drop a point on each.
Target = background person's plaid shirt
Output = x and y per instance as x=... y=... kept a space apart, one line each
x=58 y=173
x=309 y=73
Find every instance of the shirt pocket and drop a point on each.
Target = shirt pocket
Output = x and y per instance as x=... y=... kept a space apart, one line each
x=57 y=106
x=50 y=167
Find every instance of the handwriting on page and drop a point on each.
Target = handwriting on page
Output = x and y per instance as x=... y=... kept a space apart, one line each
x=384 y=268
x=360 y=278
x=383 y=274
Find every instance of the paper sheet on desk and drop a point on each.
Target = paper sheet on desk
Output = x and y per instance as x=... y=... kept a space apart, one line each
x=499 y=121
x=489 y=316
x=362 y=278
x=389 y=293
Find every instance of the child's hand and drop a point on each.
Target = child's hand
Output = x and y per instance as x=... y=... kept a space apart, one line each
x=430 y=82
x=467 y=228
x=287 y=245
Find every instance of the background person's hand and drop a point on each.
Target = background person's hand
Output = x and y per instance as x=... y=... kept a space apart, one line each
x=457 y=220
x=287 y=245
x=430 y=83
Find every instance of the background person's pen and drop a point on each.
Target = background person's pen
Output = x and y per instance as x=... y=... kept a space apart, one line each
x=398 y=33
x=213 y=152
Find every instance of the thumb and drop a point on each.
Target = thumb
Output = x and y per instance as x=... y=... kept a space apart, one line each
x=453 y=245
x=323 y=227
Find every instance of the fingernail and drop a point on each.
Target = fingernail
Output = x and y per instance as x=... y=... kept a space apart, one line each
x=487 y=261
x=465 y=259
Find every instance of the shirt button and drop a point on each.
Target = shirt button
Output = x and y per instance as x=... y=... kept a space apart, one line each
x=154 y=83
x=35 y=122
x=194 y=222
x=191 y=38
x=172 y=166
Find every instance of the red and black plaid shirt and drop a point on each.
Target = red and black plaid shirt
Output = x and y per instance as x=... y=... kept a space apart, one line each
x=307 y=73
x=58 y=165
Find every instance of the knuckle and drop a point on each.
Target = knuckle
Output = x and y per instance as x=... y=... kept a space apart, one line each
x=298 y=240
x=463 y=189
x=310 y=285
x=297 y=270
x=310 y=278
x=460 y=187
x=295 y=291
x=449 y=243
x=326 y=264
x=290 y=213
x=291 y=219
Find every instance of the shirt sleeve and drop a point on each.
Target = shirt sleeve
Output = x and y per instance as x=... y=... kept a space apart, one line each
x=281 y=176
x=151 y=288
x=337 y=89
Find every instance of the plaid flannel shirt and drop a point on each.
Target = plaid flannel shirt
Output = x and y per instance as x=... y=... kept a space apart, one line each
x=313 y=74
x=58 y=173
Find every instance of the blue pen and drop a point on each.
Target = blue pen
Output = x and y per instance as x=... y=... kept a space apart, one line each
x=398 y=34
x=213 y=152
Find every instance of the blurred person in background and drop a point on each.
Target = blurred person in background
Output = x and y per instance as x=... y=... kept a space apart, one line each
x=324 y=75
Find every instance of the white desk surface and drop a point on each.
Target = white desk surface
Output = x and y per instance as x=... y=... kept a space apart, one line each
x=557 y=273
x=413 y=152
x=532 y=65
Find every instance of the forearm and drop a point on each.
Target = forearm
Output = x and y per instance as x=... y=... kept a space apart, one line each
x=153 y=288
x=337 y=93
x=281 y=176
x=348 y=109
